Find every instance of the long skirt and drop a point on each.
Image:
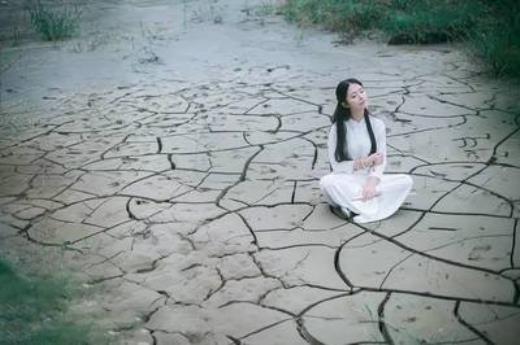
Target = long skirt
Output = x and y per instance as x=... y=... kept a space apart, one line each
x=344 y=190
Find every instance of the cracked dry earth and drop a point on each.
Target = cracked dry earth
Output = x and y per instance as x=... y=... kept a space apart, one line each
x=199 y=210
x=195 y=206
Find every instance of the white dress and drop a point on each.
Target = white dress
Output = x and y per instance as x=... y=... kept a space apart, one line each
x=343 y=187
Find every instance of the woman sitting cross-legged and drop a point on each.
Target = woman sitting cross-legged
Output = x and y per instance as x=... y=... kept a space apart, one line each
x=357 y=188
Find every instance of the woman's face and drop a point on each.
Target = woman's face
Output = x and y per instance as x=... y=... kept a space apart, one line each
x=357 y=98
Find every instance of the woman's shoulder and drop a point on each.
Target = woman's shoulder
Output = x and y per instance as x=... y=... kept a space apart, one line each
x=332 y=129
x=376 y=122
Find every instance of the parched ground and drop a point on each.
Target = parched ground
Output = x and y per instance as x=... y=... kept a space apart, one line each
x=177 y=166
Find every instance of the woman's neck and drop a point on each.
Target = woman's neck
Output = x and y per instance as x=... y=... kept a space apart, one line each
x=357 y=116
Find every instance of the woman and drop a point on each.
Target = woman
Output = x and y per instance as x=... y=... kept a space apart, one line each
x=357 y=187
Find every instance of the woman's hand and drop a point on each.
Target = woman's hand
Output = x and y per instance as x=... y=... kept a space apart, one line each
x=362 y=163
x=369 y=188
x=376 y=158
x=370 y=161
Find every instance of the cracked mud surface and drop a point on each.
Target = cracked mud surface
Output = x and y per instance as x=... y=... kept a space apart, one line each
x=194 y=202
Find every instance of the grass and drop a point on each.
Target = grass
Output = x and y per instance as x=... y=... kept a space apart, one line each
x=429 y=22
x=32 y=311
x=499 y=48
x=491 y=28
x=54 y=21
x=414 y=19
x=496 y=38
x=266 y=8
x=337 y=15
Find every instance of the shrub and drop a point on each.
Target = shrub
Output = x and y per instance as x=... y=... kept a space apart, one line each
x=54 y=22
x=335 y=15
x=32 y=311
x=427 y=22
x=490 y=27
x=496 y=38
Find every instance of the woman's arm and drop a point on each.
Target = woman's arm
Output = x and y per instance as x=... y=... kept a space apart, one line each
x=346 y=167
x=380 y=157
x=378 y=161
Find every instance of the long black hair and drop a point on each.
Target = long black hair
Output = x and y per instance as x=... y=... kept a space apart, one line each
x=342 y=114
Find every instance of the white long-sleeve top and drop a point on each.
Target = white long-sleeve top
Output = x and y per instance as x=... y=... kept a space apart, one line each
x=358 y=146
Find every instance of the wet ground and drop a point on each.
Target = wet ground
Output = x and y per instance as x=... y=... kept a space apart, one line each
x=173 y=152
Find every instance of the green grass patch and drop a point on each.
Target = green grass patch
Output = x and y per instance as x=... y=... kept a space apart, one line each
x=496 y=37
x=415 y=21
x=266 y=8
x=424 y=22
x=491 y=28
x=336 y=15
x=54 y=21
x=32 y=311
